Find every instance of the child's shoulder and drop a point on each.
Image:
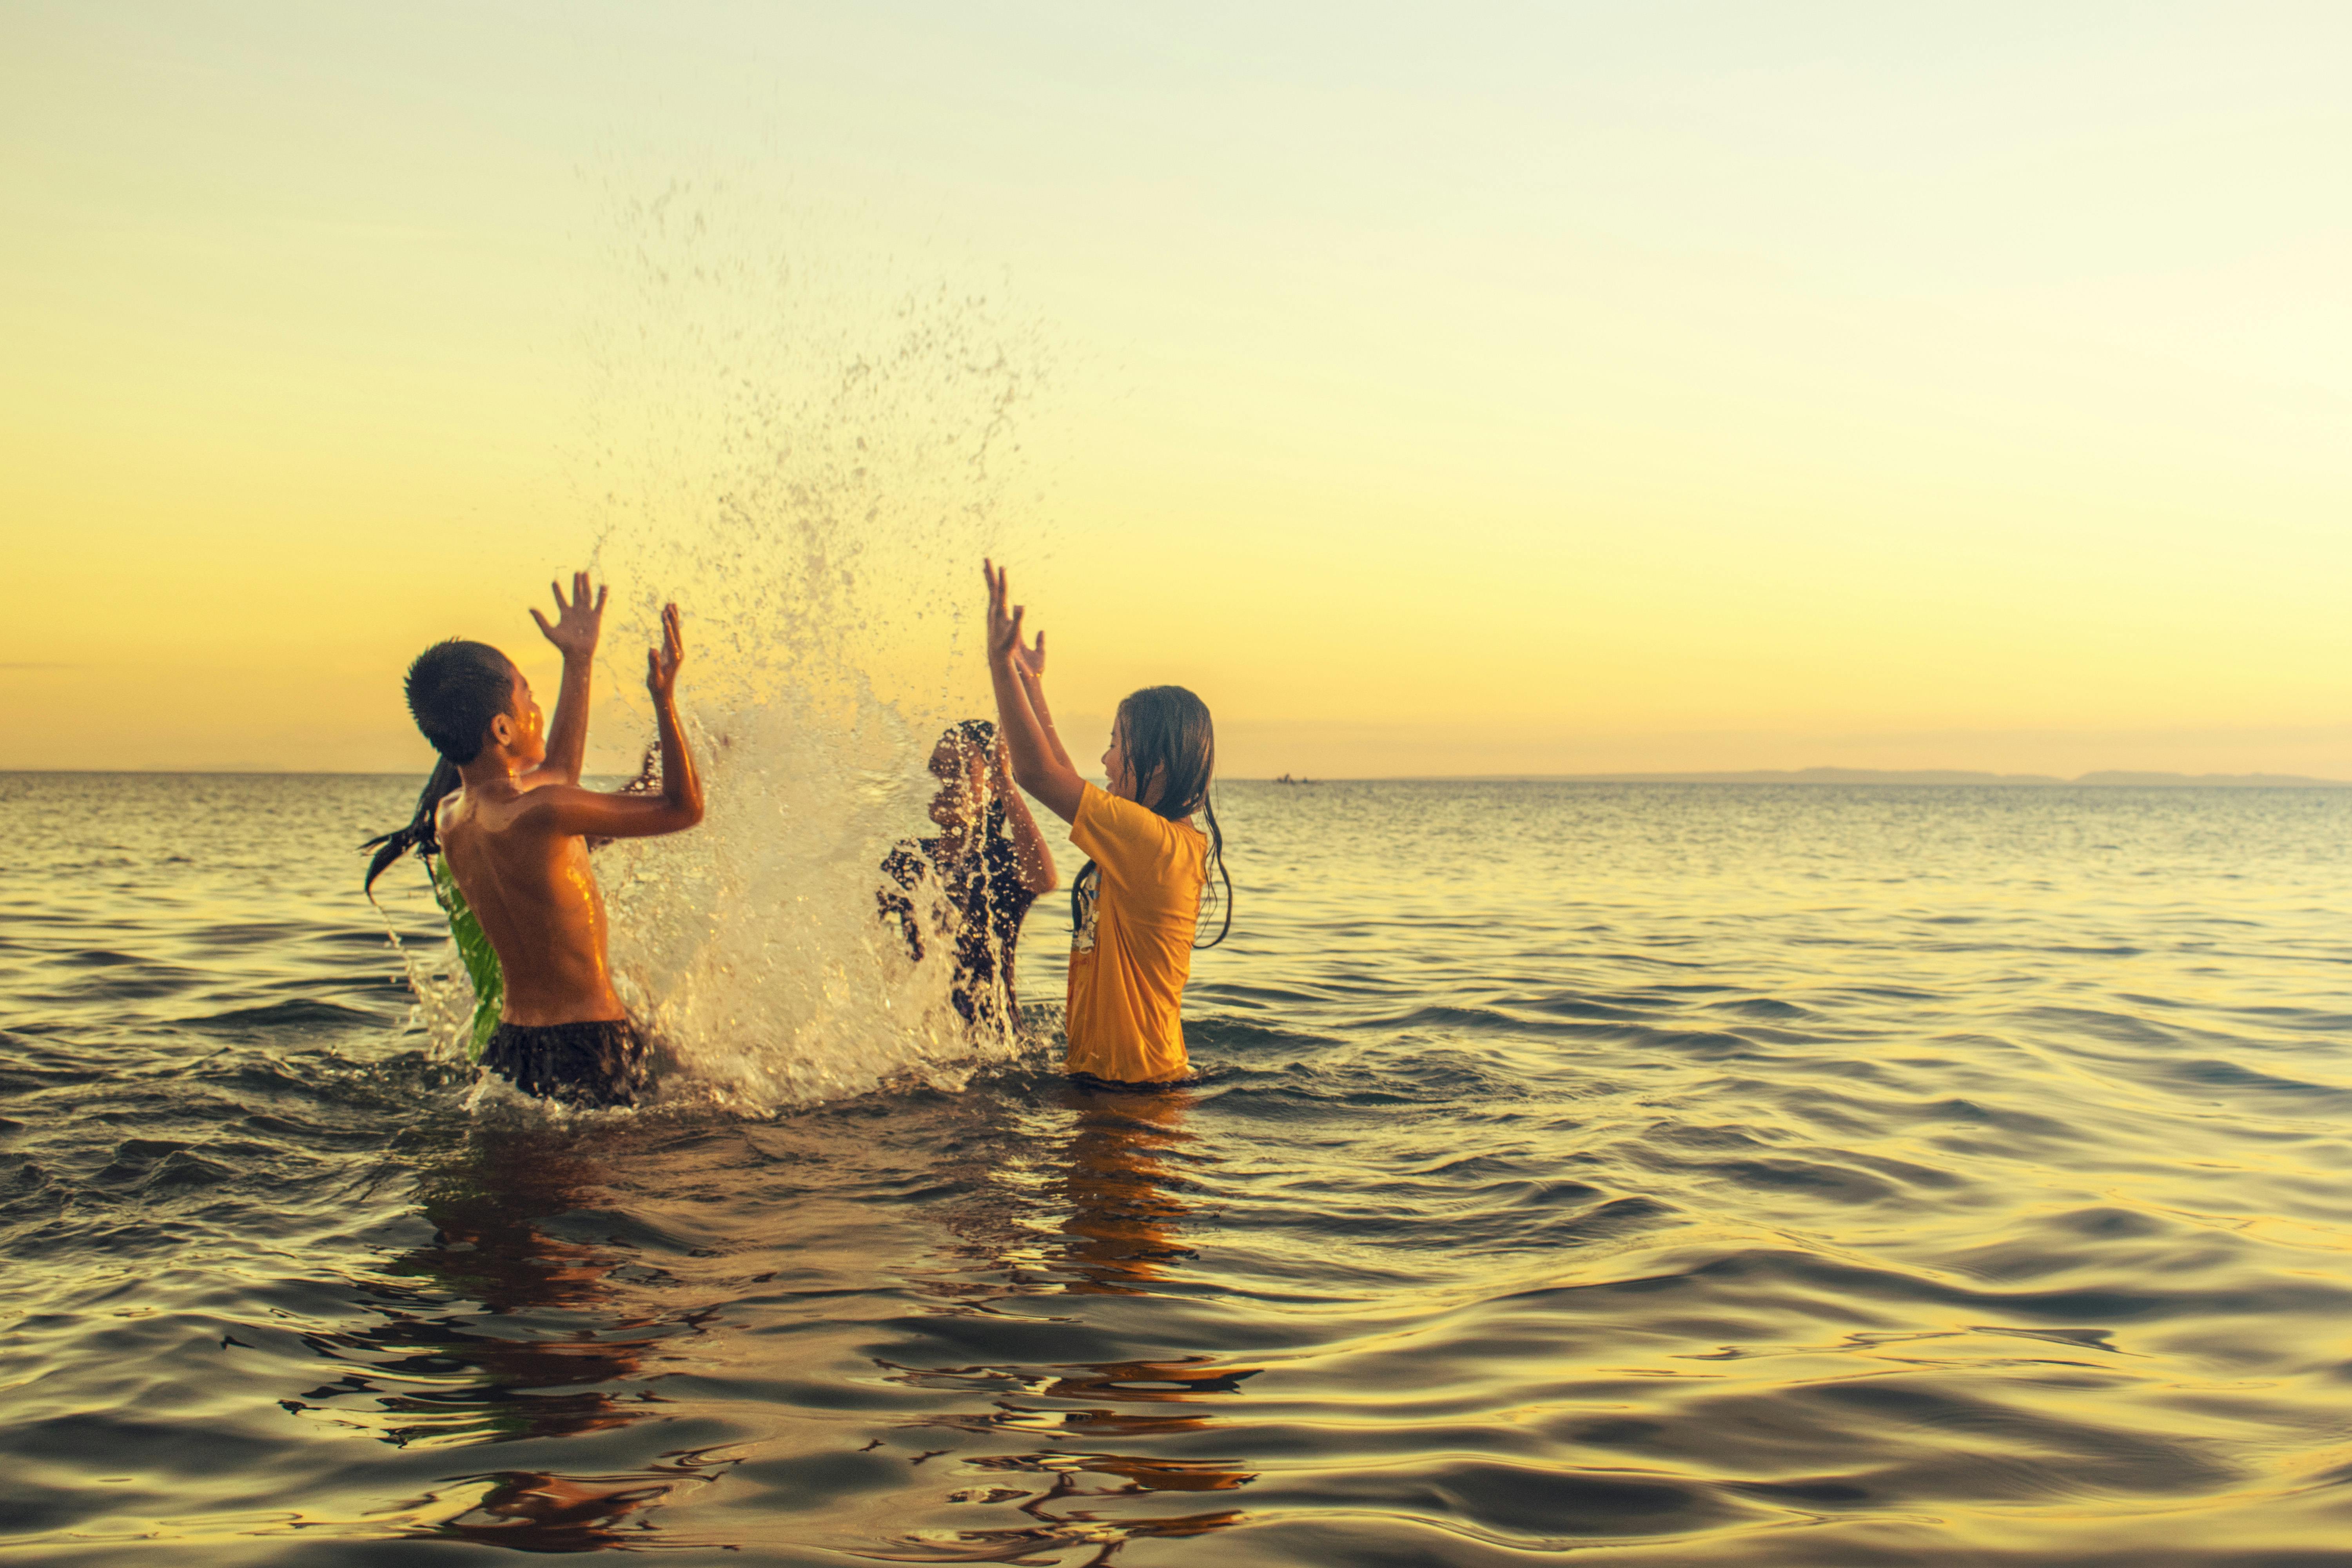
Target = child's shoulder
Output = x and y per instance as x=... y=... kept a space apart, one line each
x=494 y=816
x=1109 y=819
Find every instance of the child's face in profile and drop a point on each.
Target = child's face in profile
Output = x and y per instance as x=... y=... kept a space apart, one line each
x=1115 y=764
x=963 y=785
x=528 y=744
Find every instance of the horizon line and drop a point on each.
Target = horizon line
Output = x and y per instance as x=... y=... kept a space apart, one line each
x=2101 y=778
x=2097 y=778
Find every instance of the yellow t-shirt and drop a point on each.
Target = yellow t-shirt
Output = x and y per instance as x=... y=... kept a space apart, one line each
x=1133 y=948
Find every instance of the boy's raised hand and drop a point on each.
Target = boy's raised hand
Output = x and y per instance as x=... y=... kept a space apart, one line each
x=661 y=663
x=1004 y=625
x=577 y=624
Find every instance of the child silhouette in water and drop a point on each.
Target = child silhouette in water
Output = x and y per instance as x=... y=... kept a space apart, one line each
x=1136 y=907
x=976 y=878
x=506 y=812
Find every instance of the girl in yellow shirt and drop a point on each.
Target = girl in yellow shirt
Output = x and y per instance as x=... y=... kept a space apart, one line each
x=1136 y=909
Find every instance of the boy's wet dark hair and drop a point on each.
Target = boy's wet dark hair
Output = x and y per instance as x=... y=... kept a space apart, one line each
x=455 y=688
x=1172 y=748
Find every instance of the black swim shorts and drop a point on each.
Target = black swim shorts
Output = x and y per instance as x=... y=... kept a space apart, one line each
x=601 y=1062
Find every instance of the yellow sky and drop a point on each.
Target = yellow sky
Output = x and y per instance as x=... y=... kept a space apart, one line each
x=1505 y=389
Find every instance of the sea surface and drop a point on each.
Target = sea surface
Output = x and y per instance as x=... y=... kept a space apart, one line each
x=1608 y=1175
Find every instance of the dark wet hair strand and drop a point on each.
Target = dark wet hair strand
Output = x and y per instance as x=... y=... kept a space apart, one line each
x=420 y=836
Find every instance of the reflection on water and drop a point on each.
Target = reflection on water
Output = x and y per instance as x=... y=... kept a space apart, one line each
x=533 y=1511
x=1122 y=1157
x=541 y=1361
x=1741 y=1177
x=1118 y=1234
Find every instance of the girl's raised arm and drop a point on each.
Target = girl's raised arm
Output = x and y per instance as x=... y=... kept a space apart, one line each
x=1039 y=764
x=1031 y=664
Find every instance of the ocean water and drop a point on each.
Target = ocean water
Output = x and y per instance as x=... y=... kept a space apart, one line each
x=1616 y=1174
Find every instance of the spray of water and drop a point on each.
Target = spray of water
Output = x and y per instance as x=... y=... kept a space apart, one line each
x=808 y=452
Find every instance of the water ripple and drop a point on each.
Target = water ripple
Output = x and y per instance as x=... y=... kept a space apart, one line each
x=1664 y=1176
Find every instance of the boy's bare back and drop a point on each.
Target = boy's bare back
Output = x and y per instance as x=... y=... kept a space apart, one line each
x=530 y=886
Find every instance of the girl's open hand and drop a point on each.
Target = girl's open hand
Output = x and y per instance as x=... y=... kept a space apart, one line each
x=1031 y=661
x=1004 y=625
x=661 y=663
x=578 y=622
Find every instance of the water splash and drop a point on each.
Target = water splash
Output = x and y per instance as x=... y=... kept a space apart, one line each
x=810 y=454
x=444 y=995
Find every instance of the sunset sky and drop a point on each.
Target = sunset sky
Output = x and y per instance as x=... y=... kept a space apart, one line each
x=1435 y=389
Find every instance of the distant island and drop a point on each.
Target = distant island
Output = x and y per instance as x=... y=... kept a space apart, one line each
x=2108 y=779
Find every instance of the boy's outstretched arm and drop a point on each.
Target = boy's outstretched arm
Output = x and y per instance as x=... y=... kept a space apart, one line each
x=570 y=809
x=574 y=633
x=1036 y=767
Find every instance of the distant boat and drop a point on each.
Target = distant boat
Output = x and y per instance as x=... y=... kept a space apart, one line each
x=1286 y=779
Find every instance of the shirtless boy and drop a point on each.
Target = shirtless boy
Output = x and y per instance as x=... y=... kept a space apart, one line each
x=514 y=833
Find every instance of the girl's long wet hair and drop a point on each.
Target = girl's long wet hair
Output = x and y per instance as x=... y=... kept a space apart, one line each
x=420 y=835
x=1171 y=744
